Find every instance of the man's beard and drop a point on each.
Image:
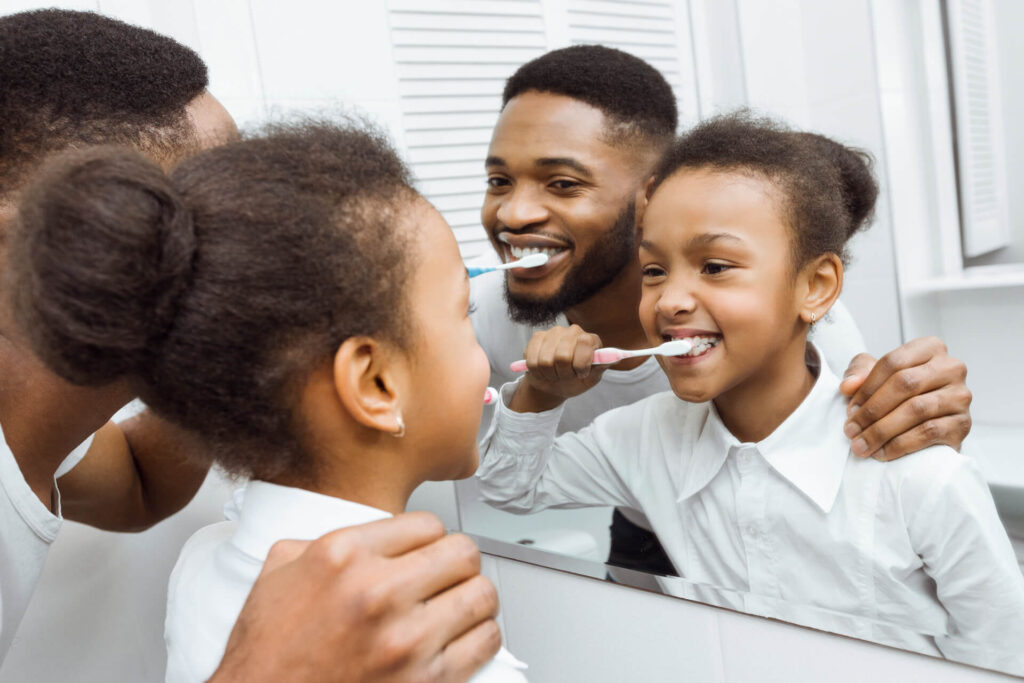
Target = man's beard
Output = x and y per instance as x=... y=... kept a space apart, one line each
x=602 y=263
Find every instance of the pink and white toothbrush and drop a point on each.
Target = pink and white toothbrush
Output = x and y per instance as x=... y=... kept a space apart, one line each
x=609 y=355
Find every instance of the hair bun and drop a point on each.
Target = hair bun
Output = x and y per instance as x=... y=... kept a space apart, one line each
x=101 y=253
x=858 y=186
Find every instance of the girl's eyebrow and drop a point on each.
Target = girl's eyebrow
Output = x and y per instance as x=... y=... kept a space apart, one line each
x=712 y=237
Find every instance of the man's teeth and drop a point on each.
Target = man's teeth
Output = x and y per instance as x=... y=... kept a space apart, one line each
x=701 y=344
x=521 y=252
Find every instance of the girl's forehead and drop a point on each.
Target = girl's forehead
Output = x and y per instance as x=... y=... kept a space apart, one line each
x=708 y=200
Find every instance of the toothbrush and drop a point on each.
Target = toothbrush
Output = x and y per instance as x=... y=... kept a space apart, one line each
x=531 y=261
x=609 y=355
x=490 y=395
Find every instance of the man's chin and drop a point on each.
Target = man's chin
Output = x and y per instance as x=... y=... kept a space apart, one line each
x=533 y=312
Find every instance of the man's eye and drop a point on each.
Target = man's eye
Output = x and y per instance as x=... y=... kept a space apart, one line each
x=496 y=181
x=564 y=184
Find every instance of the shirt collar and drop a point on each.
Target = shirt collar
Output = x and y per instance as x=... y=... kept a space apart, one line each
x=270 y=513
x=808 y=449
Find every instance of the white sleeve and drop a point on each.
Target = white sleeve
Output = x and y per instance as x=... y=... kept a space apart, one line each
x=524 y=468
x=954 y=527
x=838 y=338
x=74 y=457
x=504 y=668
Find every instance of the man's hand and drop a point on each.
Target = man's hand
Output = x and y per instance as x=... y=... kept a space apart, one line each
x=911 y=398
x=395 y=600
x=559 y=365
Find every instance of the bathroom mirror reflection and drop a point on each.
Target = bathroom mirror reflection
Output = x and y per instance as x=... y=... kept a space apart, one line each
x=755 y=506
x=875 y=76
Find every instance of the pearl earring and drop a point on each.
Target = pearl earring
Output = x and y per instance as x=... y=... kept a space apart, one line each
x=401 y=428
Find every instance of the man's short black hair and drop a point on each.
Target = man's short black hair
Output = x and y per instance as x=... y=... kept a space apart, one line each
x=631 y=93
x=76 y=78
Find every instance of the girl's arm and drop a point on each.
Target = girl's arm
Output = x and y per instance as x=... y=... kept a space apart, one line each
x=954 y=527
x=524 y=468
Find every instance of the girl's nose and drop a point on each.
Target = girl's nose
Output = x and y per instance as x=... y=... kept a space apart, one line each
x=676 y=299
x=521 y=208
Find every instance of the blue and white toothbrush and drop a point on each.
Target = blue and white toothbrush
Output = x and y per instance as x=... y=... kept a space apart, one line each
x=531 y=261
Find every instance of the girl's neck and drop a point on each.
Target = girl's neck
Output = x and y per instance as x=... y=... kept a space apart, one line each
x=755 y=408
x=359 y=473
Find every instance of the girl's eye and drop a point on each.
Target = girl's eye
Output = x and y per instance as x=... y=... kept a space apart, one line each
x=471 y=310
x=714 y=268
x=653 y=272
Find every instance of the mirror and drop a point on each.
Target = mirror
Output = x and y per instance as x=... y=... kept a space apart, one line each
x=876 y=75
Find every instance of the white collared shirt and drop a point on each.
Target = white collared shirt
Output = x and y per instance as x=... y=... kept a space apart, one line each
x=220 y=563
x=505 y=340
x=27 y=529
x=795 y=518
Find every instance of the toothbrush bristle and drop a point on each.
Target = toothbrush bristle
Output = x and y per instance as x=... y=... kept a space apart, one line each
x=676 y=348
x=532 y=261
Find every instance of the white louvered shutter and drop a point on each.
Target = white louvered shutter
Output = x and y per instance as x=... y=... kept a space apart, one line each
x=452 y=59
x=979 y=126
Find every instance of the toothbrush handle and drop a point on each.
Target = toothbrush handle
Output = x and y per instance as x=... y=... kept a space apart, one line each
x=478 y=270
x=601 y=357
x=608 y=356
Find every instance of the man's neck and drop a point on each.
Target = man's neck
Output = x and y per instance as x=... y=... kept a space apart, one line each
x=44 y=417
x=612 y=314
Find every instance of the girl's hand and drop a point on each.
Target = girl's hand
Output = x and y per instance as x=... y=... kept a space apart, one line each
x=559 y=365
x=912 y=398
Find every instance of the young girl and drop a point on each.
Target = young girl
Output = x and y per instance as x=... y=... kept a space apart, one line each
x=744 y=469
x=292 y=301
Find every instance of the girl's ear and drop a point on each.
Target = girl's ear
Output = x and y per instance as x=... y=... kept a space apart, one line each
x=819 y=284
x=369 y=380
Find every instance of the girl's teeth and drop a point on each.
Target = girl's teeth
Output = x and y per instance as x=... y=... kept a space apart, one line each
x=701 y=344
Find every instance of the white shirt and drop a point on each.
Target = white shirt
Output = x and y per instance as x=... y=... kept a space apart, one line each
x=504 y=342
x=220 y=563
x=27 y=528
x=793 y=519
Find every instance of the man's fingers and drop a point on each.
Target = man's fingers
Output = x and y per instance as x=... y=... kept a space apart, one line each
x=283 y=552
x=433 y=569
x=918 y=413
x=856 y=373
x=944 y=430
x=913 y=353
x=466 y=654
x=900 y=387
x=460 y=609
x=387 y=537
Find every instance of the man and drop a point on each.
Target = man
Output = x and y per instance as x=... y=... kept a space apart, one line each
x=72 y=79
x=568 y=165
